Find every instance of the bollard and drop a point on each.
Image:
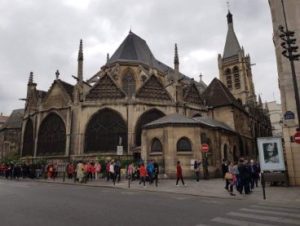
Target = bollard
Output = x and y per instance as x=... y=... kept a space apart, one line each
x=263 y=184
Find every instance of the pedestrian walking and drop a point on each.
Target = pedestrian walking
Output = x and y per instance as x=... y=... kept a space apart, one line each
x=232 y=180
x=97 y=170
x=179 y=173
x=197 y=164
x=80 y=172
x=156 y=172
x=112 y=171
x=143 y=174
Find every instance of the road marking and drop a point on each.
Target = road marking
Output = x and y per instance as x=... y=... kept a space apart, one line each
x=265 y=218
x=271 y=212
x=282 y=206
x=275 y=208
x=237 y=222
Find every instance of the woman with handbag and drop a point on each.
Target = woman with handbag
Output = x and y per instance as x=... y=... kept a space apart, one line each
x=231 y=177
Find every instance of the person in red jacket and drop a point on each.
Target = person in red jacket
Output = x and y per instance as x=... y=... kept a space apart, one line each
x=143 y=174
x=179 y=173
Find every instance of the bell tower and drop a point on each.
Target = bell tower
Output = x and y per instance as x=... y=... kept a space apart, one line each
x=235 y=67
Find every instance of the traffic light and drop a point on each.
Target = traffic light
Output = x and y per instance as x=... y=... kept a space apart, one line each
x=288 y=44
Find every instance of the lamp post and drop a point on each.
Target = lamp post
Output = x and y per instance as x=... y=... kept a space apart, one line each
x=290 y=52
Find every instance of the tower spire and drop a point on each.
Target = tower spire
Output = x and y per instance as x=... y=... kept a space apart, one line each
x=80 y=63
x=232 y=46
x=30 y=80
x=176 y=59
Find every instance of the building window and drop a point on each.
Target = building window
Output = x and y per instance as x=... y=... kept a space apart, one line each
x=145 y=118
x=28 y=142
x=105 y=131
x=228 y=78
x=52 y=136
x=128 y=83
x=156 y=145
x=184 y=145
x=236 y=75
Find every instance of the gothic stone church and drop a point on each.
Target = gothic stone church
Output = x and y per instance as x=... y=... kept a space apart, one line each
x=150 y=109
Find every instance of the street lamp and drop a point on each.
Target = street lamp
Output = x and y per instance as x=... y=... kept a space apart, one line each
x=290 y=52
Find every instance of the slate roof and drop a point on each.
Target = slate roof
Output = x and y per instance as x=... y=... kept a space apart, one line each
x=15 y=120
x=135 y=49
x=232 y=46
x=171 y=119
x=178 y=119
x=41 y=93
x=213 y=123
x=218 y=95
x=3 y=119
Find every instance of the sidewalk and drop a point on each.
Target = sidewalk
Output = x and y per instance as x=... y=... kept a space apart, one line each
x=205 y=188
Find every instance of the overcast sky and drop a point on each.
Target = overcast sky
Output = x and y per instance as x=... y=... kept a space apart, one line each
x=43 y=36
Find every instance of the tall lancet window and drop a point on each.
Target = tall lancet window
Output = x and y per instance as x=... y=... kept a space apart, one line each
x=228 y=78
x=128 y=83
x=236 y=75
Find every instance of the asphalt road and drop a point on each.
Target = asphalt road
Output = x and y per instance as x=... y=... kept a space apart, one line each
x=26 y=203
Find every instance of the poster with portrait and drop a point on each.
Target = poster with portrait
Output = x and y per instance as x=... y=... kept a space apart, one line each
x=270 y=153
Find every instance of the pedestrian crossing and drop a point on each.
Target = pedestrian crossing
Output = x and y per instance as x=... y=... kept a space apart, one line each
x=259 y=215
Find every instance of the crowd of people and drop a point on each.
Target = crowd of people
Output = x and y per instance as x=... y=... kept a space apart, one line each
x=84 y=171
x=242 y=175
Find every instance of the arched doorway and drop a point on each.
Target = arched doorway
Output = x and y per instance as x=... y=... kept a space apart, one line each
x=28 y=143
x=241 y=147
x=235 y=156
x=105 y=131
x=52 y=136
x=225 y=152
x=145 y=118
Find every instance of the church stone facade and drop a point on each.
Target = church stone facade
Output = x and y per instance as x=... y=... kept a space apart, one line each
x=151 y=110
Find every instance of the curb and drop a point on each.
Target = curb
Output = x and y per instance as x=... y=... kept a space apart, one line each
x=135 y=189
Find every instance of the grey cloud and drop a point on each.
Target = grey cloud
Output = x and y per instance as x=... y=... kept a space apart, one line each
x=43 y=36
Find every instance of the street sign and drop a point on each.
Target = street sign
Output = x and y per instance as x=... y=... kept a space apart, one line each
x=297 y=137
x=119 y=150
x=289 y=115
x=204 y=148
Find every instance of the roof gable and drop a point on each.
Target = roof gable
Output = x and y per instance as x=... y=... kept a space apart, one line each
x=59 y=94
x=152 y=89
x=192 y=95
x=105 y=88
x=217 y=94
x=15 y=120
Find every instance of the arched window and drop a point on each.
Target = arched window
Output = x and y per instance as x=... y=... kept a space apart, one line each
x=156 y=145
x=105 y=131
x=28 y=144
x=236 y=75
x=128 y=83
x=52 y=136
x=184 y=145
x=228 y=78
x=145 y=118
